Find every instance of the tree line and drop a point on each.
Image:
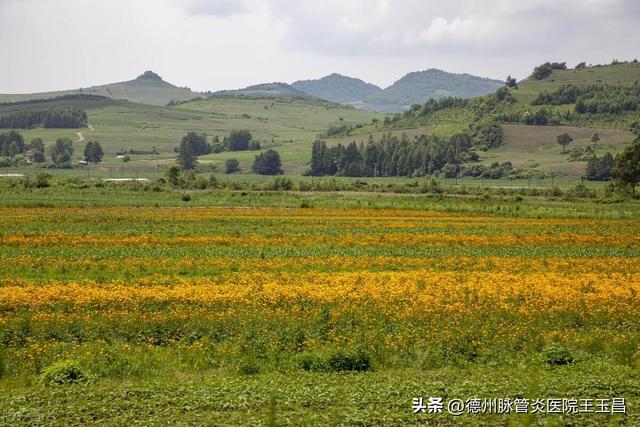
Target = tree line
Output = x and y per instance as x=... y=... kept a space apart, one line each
x=594 y=99
x=12 y=144
x=53 y=117
x=393 y=156
x=195 y=144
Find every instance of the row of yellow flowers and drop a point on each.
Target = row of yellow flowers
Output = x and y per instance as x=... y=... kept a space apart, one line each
x=416 y=293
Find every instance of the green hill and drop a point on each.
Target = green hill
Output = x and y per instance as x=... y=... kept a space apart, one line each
x=265 y=90
x=419 y=87
x=289 y=125
x=528 y=123
x=148 y=88
x=337 y=88
x=278 y=119
x=617 y=74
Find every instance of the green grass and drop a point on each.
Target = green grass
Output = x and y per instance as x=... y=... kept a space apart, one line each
x=376 y=398
x=610 y=74
x=478 y=200
x=292 y=125
x=535 y=147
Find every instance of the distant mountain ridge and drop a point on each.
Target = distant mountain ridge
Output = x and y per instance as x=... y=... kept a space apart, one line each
x=337 y=88
x=148 y=88
x=264 y=90
x=420 y=86
x=414 y=88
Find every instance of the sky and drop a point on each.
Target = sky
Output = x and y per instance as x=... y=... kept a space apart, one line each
x=223 y=44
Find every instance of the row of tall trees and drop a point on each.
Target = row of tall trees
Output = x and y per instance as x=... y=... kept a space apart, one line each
x=195 y=144
x=54 y=117
x=392 y=156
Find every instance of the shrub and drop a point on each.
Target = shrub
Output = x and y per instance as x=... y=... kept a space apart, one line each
x=201 y=183
x=249 y=367
x=42 y=180
x=348 y=360
x=231 y=166
x=186 y=197
x=63 y=372
x=281 y=183
x=557 y=355
x=312 y=362
x=340 y=360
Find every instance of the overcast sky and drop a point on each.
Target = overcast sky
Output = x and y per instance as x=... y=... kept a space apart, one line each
x=225 y=44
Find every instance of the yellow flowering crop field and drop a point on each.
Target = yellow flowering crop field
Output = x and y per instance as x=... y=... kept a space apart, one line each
x=307 y=296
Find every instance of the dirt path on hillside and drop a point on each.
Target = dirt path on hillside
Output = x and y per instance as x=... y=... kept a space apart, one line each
x=81 y=135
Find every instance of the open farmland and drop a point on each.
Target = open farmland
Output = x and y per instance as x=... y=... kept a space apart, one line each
x=266 y=315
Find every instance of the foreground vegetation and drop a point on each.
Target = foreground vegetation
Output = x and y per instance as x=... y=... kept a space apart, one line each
x=242 y=307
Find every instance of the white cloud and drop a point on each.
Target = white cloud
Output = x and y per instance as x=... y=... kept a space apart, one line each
x=215 y=44
x=457 y=30
x=221 y=8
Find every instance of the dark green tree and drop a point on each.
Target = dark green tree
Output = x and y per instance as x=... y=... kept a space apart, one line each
x=186 y=157
x=239 y=140
x=595 y=138
x=627 y=166
x=173 y=174
x=197 y=142
x=267 y=163
x=13 y=149
x=62 y=152
x=600 y=168
x=351 y=162
x=321 y=161
x=564 y=140
x=93 y=152
x=37 y=147
x=231 y=166
x=14 y=140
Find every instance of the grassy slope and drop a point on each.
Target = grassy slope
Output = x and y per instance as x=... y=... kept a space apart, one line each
x=611 y=74
x=293 y=125
x=535 y=146
x=530 y=145
x=144 y=91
